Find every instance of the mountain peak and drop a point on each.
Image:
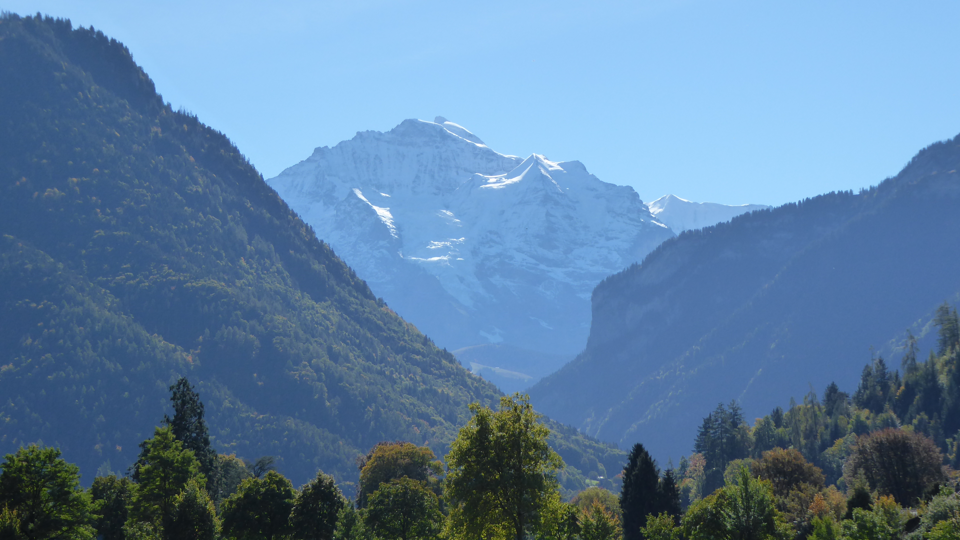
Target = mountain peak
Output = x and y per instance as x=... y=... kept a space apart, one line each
x=458 y=130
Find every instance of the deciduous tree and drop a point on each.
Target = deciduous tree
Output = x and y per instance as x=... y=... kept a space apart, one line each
x=896 y=462
x=165 y=468
x=43 y=491
x=502 y=473
x=598 y=523
x=316 y=508
x=403 y=509
x=744 y=510
x=260 y=509
x=388 y=461
x=112 y=497
x=193 y=516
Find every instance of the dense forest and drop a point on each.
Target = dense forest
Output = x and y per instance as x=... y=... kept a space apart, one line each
x=871 y=466
x=771 y=303
x=140 y=251
x=140 y=246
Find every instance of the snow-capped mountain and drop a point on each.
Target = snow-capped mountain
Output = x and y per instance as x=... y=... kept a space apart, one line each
x=683 y=215
x=472 y=246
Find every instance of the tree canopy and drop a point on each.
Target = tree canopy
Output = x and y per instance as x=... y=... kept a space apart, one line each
x=43 y=491
x=501 y=470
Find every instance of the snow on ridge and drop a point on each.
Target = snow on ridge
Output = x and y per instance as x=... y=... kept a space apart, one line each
x=383 y=213
x=458 y=130
x=683 y=215
x=512 y=247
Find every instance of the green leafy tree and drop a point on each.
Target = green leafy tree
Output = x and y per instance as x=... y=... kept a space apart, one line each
x=142 y=530
x=190 y=428
x=883 y=522
x=388 y=461
x=44 y=492
x=744 y=510
x=825 y=528
x=10 y=525
x=795 y=483
x=501 y=471
x=193 y=517
x=260 y=509
x=233 y=470
x=316 y=508
x=350 y=525
x=786 y=470
x=112 y=497
x=942 y=507
x=662 y=527
x=403 y=509
x=560 y=520
x=948 y=529
x=163 y=473
x=587 y=497
x=598 y=523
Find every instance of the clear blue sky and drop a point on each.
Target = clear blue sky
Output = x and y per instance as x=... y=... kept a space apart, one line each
x=725 y=101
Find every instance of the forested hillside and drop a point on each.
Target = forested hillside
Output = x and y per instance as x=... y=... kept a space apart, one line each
x=770 y=304
x=139 y=245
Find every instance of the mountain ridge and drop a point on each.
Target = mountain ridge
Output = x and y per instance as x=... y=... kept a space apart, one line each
x=145 y=247
x=777 y=299
x=683 y=215
x=472 y=246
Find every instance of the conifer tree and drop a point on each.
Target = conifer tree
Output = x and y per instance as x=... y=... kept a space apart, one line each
x=722 y=438
x=190 y=428
x=639 y=496
x=948 y=334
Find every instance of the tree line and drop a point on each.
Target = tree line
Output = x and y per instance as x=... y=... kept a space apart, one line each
x=500 y=480
x=775 y=480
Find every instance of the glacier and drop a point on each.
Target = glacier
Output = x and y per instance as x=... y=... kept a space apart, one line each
x=482 y=251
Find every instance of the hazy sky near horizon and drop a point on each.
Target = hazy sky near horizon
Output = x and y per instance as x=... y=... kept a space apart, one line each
x=732 y=102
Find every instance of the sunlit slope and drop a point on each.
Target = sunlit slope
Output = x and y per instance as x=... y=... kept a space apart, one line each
x=140 y=245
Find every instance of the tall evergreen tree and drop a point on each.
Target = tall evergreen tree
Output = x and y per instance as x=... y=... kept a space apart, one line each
x=723 y=437
x=835 y=402
x=190 y=428
x=668 y=495
x=639 y=495
x=948 y=335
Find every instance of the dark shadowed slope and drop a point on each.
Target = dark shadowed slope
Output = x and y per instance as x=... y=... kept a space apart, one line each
x=139 y=245
x=768 y=305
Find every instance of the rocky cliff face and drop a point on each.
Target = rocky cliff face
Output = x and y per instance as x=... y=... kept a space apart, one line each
x=764 y=307
x=472 y=246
